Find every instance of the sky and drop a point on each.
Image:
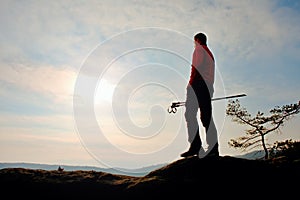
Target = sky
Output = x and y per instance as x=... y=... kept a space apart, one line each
x=89 y=82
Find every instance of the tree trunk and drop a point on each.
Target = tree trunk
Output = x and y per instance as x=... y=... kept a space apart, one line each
x=264 y=146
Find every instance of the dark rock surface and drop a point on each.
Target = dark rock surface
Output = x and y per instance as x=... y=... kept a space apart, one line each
x=224 y=177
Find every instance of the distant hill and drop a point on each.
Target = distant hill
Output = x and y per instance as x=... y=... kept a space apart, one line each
x=258 y=154
x=225 y=177
x=121 y=171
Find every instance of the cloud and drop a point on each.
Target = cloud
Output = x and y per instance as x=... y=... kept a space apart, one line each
x=51 y=82
x=49 y=122
x=247 y=29
x=61 y=32
x=43 y=32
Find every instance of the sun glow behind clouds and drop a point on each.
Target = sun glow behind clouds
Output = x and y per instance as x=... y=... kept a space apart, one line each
x=139 y=125
x=104 y=91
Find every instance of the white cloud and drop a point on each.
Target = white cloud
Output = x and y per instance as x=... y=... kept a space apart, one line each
x=54 y=83
x=49 y=122
x=65 y=31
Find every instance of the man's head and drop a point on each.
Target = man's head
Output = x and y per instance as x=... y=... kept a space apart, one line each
x=201 y=38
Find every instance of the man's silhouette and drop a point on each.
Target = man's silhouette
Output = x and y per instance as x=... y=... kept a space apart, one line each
x=198 y=95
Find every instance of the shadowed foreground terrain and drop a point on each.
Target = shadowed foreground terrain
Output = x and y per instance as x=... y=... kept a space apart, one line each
x=226 y=176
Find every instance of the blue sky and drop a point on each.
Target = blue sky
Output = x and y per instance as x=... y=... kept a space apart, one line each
x=88 y=82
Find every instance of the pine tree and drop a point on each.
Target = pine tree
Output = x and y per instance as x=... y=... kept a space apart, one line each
x=260 y=125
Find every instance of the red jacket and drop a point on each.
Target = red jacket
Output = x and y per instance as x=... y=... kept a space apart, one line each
x=203 y=65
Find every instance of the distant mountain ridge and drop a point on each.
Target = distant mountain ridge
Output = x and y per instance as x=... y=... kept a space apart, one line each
x=252 y=155
x=121 y=171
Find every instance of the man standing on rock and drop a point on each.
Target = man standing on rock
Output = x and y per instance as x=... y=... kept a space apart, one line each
x=199 y=93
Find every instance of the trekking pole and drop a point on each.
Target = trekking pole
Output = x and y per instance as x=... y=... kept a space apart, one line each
x=174 y=105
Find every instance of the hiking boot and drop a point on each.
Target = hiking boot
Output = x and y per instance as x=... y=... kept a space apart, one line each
x=214 y=152
x=194 y=148
x=189 y=153
x=213 y=155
